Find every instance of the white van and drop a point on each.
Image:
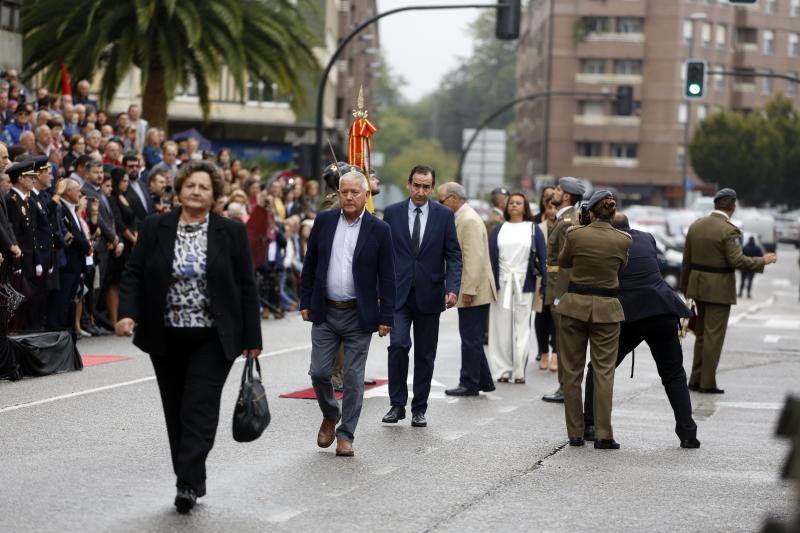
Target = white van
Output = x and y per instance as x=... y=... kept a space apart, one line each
x=751 y=220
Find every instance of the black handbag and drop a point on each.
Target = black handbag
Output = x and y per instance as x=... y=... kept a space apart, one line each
x=251 y=414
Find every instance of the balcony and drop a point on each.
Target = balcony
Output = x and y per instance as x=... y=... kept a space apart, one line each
x=614 y=37
x=606 y=162
x=605 y=120
x=618 y=79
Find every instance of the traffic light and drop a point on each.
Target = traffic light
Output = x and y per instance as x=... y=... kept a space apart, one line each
x=695 y=79
x=624 y=100
x=509 y=13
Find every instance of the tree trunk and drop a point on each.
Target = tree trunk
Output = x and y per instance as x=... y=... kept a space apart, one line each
x=154 y=99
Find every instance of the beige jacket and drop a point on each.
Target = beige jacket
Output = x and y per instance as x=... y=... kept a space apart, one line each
x=476 y=271
x=713 y=243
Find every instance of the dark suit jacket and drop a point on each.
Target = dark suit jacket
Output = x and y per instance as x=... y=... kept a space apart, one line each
x=436 y=268
x=231 y=284
x=373 y=270
x=141 y=210
x=44 y=230
x=643 y=292
x=106 y=219
x=75 y=252
x=21 y=218
x=536 y=263
x=7 y=238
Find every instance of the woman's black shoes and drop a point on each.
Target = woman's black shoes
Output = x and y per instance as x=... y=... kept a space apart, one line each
x=185 y=500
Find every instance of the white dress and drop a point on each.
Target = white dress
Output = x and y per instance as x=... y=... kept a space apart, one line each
x=510 y=315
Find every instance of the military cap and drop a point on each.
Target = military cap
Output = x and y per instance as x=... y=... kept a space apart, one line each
x=332 y=172
x=725 y=193
x=572 y=186
x=40 y=162
x=501 y=190
x=18 y=169
x=598 y=197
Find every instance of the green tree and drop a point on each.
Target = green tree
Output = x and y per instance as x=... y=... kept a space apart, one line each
x=420 y=152
x=395 y=134
x=739 y=151
x=173 y=42
x=785 y=120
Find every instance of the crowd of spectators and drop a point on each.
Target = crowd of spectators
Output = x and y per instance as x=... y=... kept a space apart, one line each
x=124 y=170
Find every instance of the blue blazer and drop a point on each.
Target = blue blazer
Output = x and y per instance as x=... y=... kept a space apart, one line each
x=436 y=268
x=373 y=270
x=643 y=292
x=536 y=263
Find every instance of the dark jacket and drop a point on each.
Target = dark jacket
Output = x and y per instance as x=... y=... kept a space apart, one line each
x=373 y=270
x=141 y=210
x=643 y=292
x=231 y=284
x=75 y=251
x=23 y=225
x=536 y=264
x=436 y=268
x=45 y=241
x=7 y=237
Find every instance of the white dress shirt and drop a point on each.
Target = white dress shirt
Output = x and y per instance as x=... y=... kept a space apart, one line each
x=341 y=285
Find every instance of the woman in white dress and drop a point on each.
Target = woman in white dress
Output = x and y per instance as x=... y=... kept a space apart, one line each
x=517 y=251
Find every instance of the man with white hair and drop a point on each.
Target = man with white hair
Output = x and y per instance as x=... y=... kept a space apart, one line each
x=347 y=290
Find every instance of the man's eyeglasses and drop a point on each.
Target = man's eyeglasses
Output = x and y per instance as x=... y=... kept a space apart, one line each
x=443 y=200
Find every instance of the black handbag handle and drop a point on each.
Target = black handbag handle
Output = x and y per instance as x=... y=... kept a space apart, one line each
x=247 y=373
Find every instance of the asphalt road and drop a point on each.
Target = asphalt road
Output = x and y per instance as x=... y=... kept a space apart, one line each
x=87 y=451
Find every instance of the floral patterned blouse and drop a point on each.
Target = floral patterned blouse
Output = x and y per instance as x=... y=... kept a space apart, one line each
x=188 y=305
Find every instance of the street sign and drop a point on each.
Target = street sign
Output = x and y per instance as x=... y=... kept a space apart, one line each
x=485 y=163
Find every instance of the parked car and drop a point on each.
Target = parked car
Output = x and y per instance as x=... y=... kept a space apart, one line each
x=787 y=227
x=670 y=254
x=755 y=221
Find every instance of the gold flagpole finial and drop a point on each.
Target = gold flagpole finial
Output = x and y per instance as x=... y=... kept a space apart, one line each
x=360 y=111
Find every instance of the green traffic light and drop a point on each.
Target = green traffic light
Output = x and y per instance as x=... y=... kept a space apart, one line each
x=695 y=89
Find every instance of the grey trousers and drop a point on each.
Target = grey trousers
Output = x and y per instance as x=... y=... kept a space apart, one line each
x=340 y=326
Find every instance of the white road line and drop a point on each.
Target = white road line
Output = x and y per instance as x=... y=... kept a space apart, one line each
x=455 y=435
x=508 y=409
x=754 y=309
x=484 y=422
x=766 y=406
x=128 y=383
x=386 y=470
x=771 y=339
x=283 y=516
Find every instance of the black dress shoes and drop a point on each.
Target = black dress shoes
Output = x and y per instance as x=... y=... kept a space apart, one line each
x=694 y=387
x=555 y=397
x=606 y=444
x=588 y=433
x=576 y=441
x=185 y=500
x=712 y=390
x=489 y=387
x=461 y=391
x=690 y=443
x=395 y=415
x=418 y=420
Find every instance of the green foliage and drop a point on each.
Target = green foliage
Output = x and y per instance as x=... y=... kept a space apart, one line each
x=420 y=152
x=173 y=42
x=756 y=154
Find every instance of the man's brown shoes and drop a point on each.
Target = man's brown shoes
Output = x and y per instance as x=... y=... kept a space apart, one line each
x=327 y=431
x=344 y=448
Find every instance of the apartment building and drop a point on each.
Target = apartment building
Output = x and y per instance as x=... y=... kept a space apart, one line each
x=10 y=36
x=593 y=47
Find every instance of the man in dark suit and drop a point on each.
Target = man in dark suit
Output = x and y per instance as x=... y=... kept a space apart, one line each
x=8 y=241
x=39 y=201
x=76 y=249
x=138 y=193
x=428 y=265
x=347 y=290
x=652 y=313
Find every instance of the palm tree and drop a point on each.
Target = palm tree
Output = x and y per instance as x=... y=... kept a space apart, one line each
x=173 y=42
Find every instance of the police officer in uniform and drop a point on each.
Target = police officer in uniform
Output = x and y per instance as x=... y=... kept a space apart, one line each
x=712 y=254
x=566 y=197
x=652 y=314
x=590 y=311
x=46 y=237
x=23 y=224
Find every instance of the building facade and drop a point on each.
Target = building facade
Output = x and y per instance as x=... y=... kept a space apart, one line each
x=10 y=36
x=593 y=47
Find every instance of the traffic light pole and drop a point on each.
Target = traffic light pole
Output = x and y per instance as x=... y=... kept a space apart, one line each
x=505 y=107
x=317 y=156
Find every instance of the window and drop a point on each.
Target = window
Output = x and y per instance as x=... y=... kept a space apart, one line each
x=794 y=45
x=627 y=66
x=766 y=83
x=768 y=42
x=258 y=91
x=794 y=8
x=593 y=66
x=187 y=91
x=588 y=149
x=595 y=24
x=9 y=16
x=630 y=25
x=688 y=32
x=624 y=150
x=591 y=108
x=747 y=36
x=702 y=111
x=771 y=6
x=683 y=113
x=719 y=79
x=722 y=36
x=706 y=33
x=791 y=86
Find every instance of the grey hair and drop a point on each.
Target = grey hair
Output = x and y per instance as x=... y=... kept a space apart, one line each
x=354 y=174
x=455 y=189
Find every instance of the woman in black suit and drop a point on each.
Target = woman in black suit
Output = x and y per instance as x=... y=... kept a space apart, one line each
x=189 y=289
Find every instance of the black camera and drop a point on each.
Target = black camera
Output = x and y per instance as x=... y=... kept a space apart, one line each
x=583 y=218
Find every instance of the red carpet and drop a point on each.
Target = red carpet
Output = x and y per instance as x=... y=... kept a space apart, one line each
x=308 y=394
x=92 y=360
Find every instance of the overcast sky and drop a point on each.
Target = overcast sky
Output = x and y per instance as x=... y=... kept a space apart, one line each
x=423 y=45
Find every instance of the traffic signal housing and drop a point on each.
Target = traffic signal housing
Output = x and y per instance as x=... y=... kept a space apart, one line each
x=695 y=79
x=509 y=13
x=742 y=2
x=624 y=102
